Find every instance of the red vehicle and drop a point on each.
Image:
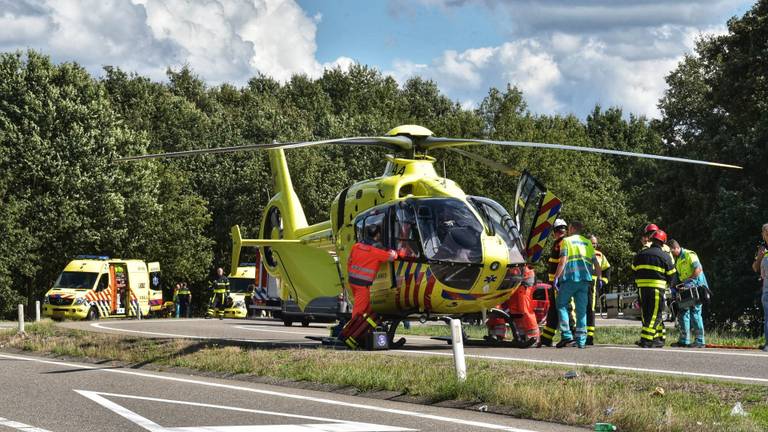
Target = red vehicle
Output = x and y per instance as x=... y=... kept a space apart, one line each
x=541 y=301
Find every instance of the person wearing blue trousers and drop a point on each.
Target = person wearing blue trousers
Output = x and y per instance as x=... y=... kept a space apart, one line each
x=572 y=279
x=690 y=273
x=760 y=265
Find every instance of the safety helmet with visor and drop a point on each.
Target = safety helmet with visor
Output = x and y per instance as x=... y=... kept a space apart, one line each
x=659 y=236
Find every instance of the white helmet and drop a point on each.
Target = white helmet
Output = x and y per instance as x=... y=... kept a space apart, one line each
x=559 y=223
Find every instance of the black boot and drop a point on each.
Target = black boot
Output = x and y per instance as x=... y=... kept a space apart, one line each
x=644 y=343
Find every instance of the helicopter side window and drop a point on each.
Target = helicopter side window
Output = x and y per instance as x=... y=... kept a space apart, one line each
x=501 y=224
x=406 y=234
x=374 y=218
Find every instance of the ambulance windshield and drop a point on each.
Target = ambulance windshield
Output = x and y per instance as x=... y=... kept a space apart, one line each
x=449 y=230
x=241 y=285
x=76 y=280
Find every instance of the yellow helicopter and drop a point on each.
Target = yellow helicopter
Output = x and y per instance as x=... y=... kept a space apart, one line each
x=465 y=254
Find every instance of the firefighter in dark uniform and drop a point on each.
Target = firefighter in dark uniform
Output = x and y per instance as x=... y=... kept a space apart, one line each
x=596 y=289
x=654 y=272
x=185 y=300
x=220 y=293
x=548 y=330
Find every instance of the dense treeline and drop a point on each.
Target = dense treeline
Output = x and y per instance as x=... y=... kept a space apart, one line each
x=63 y=194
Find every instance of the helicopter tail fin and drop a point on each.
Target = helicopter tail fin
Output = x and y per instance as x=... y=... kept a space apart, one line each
x=284 y=214
x=306 y=272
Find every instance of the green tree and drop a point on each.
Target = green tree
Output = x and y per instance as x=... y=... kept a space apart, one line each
x=717 y=108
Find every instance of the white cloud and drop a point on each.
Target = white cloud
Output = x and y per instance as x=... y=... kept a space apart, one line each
x=568 y=56
x=466 y=74
x=221 y=40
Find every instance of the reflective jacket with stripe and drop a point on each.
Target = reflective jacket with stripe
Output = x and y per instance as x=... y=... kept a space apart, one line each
x=653 y=268
x=604 y=266
x=221 y=285
x=554 y=259
x=364 y=262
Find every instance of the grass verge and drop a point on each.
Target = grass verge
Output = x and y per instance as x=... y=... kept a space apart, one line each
x=627 y=400
x=613 y=335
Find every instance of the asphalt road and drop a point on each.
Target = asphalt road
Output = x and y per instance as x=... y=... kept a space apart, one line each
x=44 y=395
x=734 y=365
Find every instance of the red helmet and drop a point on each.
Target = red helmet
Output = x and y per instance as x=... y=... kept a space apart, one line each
x=660 y=236
x=650 y=228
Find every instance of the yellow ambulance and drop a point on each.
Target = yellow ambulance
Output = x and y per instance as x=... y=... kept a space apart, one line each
x=92 y=287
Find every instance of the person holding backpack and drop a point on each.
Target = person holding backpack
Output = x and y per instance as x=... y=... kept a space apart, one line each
x=690 y=273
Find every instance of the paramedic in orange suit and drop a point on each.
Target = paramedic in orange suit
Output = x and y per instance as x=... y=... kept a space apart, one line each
x=364 y=262
x=520 y=303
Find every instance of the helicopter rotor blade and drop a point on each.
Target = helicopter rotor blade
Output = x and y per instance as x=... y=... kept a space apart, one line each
x=487 y=162
x=429 y=143
x=389 y=142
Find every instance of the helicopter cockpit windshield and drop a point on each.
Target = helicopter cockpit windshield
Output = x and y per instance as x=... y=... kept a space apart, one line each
x=449 y=230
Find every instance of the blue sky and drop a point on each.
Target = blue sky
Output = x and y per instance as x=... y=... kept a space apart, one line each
x=415 y=31
x=566 y=55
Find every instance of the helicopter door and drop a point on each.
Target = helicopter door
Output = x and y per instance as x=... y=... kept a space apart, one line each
x=535 y=212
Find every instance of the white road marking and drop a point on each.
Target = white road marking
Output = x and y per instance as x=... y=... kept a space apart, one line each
x=270 y=330
x=255 y=328
x=275 y=393
x=20 y=426
x=103 y=327
x=520 y=359
x=258 y=328
x=336 y=425
x=693 y=351
x=592 y=365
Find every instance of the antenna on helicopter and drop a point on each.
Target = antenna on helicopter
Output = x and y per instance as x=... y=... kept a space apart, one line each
x=445 y=175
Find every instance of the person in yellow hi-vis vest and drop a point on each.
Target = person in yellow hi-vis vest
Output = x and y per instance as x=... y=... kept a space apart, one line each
x=549 y=328
x=594 y=292
x=572 y=279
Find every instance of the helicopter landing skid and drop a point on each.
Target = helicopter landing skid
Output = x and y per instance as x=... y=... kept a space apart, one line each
x=391 y=329
x=491 y=342
x=328 y=341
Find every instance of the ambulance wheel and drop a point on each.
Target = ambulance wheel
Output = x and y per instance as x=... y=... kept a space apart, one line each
x=93 y=314
x=287 y=323
x=305 y=323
